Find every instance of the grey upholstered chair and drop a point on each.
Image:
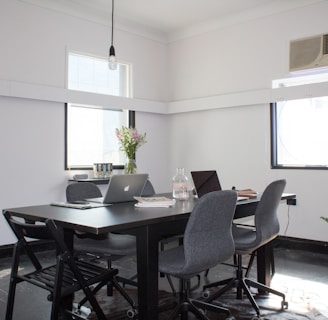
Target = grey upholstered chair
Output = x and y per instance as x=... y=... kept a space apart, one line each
x=148 y=190
x=207 y=242
x=103 y=246
x=248 y=240
x=111 y=244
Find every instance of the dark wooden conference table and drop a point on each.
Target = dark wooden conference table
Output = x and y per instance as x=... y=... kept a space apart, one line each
x=149 y=225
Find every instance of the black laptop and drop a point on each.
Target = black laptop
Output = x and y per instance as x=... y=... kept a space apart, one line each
x=205 y=182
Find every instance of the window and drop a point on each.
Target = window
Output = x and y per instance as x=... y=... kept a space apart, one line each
x=90 y=136
x=90 y=130
x=300 y=80
x=91 y=74
x=300 y=133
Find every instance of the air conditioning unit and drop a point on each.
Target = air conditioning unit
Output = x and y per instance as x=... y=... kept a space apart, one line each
x=308 y=53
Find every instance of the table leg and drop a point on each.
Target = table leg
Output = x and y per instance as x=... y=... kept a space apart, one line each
x=147 y=268
x=264 y=265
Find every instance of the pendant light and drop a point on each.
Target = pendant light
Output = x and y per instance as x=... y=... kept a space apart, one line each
x=112 y=63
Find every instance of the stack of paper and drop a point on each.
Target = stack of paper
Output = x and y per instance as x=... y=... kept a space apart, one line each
x=154 y=202
x=72 y=205
x=79 y=204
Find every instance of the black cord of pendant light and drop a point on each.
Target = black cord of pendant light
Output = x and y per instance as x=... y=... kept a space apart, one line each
x=112 y=63
x=112 y=23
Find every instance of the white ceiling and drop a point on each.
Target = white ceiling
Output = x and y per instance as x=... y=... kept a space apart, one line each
x=173 y=18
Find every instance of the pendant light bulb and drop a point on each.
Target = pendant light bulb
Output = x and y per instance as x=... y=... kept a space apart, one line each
x=112 y=63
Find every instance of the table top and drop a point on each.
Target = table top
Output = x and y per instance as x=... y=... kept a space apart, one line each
x=116 y=217
x=93 y=180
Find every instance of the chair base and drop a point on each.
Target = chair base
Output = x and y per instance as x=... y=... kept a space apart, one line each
x=114 y=282
x=243 y=285
x=197 y=307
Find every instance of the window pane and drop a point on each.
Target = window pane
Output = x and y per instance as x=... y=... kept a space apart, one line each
x=91 y=136
x=301 y=133
x=91 y=74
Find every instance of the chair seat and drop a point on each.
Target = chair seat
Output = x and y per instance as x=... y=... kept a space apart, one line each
x=171 y=262
x=46 y=277
x=246 y=240
x=113 y=244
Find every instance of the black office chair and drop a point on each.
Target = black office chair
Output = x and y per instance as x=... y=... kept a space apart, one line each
x=62 y=279
x=207 y=242
x=249 y=240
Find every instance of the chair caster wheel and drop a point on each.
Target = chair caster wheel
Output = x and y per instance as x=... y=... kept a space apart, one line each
x=206 y=294
x=284 y=305
x=203 y=311
x=131 y=313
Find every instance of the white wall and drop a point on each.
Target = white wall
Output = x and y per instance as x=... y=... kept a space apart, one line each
x=236 y=141
x=34 y=43
x=32 y=155
x=153 y=157
x=239 y=58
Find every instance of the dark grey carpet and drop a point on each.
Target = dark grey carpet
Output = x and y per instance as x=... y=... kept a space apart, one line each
x=115 y=308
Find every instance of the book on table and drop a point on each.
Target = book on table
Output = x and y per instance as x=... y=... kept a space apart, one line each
x=153 y=202
x=247 y=193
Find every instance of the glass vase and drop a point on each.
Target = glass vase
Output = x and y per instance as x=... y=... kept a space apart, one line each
x=180 y=185
x=130 y=166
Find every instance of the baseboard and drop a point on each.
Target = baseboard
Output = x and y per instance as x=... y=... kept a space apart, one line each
x=301 y=244
x=280 y=242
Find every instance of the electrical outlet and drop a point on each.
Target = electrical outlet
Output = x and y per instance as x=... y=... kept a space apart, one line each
x=291 y=202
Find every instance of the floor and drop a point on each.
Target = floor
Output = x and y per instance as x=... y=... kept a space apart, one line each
x=302 y=275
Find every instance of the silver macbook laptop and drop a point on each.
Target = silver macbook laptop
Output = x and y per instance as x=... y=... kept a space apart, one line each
x=123 y=188
x=205 y=182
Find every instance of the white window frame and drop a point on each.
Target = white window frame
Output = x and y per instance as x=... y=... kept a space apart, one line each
x=299 y=130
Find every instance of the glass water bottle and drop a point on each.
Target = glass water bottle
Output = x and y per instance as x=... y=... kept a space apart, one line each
x=180 y=185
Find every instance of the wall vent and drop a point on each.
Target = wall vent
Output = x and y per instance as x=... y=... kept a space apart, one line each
x=308 y=53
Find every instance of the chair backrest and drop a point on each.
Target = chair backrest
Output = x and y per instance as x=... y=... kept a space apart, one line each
x=208 y=238
x=24 y=230
x=39 y=231
x=30 y=230
x=82 y=190
x=148 y=189
x=266 y=219
x=86 y=190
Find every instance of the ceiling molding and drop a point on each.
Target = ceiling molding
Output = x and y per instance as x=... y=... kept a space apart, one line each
x=99 y=17
x=170 y=29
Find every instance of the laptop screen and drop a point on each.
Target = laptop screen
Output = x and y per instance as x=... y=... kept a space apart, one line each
x=205 y=182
